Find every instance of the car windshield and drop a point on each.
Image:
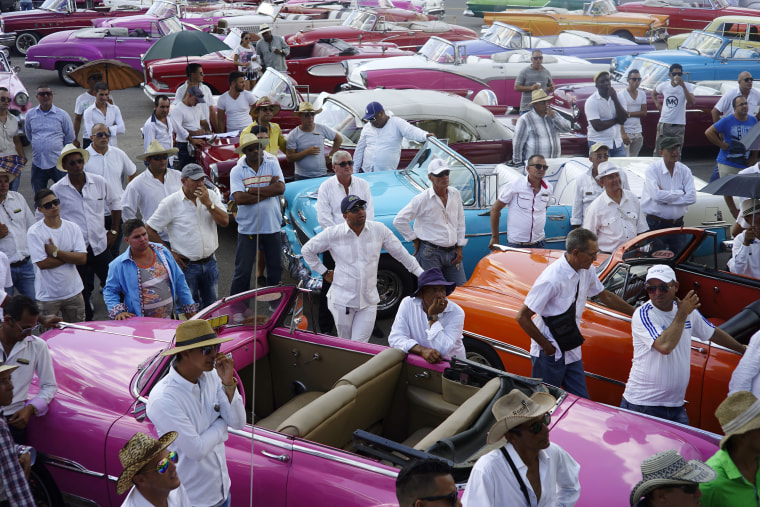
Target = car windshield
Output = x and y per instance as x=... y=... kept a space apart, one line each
x=665 y=248
x=651 y=72
x=600 y=8
x=341 y=120
x=720 y=4
x=162 y=9
x=438 y=50
x=361 y=20
x=55 y=5
x=703 y=43
x=461 y=176
x=273 y=86
x=504 y=36
x=169 y=25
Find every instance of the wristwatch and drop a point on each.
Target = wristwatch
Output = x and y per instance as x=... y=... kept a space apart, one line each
x=211 y=208
x=433 y=318
x=55 y=253
x=114 y=232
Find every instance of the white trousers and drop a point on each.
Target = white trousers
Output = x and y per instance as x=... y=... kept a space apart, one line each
x=353 y=323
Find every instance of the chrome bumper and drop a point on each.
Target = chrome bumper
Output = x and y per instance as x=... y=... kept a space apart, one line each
x=152 y=93
x=652 y=36
x=31 y=65
x=294 y=264
x=8 y=39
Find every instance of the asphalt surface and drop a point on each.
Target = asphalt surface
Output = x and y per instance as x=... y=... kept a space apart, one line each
x=136 y=108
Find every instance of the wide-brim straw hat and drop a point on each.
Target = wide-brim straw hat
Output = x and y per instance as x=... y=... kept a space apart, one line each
x=668 y=468
x=136 y=453
x=249 y=139
x=68 y=150
x=193 y=334
x=266 y=101
x=306 y=107
x=750 y=207
x=738 y=414
x=155 y=148
x=8 y=367
x=515 y=408
x=539 y=96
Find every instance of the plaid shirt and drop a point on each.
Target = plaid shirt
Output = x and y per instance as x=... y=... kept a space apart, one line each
x=535 y=134
x=14 y=484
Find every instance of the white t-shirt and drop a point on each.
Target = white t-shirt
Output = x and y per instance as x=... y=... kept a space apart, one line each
x=84 y=101
x=59 y=283
x=598 y=108
x=632 y=125
x=725 y=104
x=237 y=111
x=673 y=102
x=189 y=118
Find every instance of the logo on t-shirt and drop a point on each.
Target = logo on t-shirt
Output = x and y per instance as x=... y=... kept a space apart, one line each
x=671 y=101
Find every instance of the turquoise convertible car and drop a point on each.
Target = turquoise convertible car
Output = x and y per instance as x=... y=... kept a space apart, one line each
x=478 y=7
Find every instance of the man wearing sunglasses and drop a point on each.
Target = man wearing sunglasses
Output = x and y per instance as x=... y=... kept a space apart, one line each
x=662 y=331
x=634 y=101
x=150 y=469
x=199 y=404
x=529 y=470
x=306 y=144
x=57 y=247
x=725 y=106
x=263 y=112
x=533 y=78
x=427 y=482
x=668 y=480
x=676 y=95
x=255 y=184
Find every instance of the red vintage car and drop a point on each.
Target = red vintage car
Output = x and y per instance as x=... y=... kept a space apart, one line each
x=501 y=281
x=366 y=26
x=23 y=29
x=316 y=65
x=683 y=17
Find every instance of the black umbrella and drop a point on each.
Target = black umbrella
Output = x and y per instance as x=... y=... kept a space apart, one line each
x=739 y=185
x=185 y=43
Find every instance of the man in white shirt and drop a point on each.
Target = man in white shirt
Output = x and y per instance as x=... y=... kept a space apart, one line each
x=199 y=404
x=745 y=254
x=10 y=139
x=379 y=146
x=676 y=95
x=355 y=245
x=103 y=112
x=191 y=216
x=15 y=220
x=84 y=101
x=57 y=247
x=587 y=187
x=233 y=109
x=428 y=324
x=188 y=121
x=31 y=355
x=159 y=126
x=439 y=229
x=84 y=200
x=194 y=73
x=634 y=101
x=605 y=115
x=615 y=216
x=668 y=188
x=149 y=468
x=144 y=193
x=529 y=469
x=111 y=163
x=527 y=199
x=552 y=312
x=725 y=107
x=662 y=331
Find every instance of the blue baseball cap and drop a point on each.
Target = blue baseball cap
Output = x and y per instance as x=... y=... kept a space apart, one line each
x=372 y=109
x=350 y=201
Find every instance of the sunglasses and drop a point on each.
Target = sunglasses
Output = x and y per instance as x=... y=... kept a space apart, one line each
x=50 y=204
x=266 y=109
x=160 y=157
x=370 y=120
x=357 y=208
x=634 y=79
x=537 y=426
x=211 y=349
x=676 y=74
x=311 y=113
x=345 y=163
x=451 y=498
x=662 y=289
x=442 y=174
x=5 y=99
x=27 y=331
x=689 y=489
x=748 y=79
x=163 y=465
x=78 y=161
x=540 y=167
x=102 y=134
x=536 y=57
x=44 y=94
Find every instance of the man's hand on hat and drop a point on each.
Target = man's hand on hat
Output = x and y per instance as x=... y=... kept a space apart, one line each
x=749 y=236
x=225 y=368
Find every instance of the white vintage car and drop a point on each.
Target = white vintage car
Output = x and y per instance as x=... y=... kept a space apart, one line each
x=283 y=23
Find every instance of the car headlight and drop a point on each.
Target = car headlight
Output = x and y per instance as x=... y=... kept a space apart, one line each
x=214 y=173
x=21 y=99
x=576 y=110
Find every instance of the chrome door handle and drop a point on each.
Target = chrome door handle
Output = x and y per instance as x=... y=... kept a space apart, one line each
x=556 y=217
x=279 y=457
x=698 y=349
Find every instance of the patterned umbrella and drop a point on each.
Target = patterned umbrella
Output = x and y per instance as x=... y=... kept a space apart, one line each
x=118 y=75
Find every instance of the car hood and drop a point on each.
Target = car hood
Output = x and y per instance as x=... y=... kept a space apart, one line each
x=128 y=21
x=53 y=38
x=683 y=57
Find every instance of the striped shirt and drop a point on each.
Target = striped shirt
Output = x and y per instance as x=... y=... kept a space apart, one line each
x=536 y=134
x=265 y=217
x=658 y=379
x=48 y=131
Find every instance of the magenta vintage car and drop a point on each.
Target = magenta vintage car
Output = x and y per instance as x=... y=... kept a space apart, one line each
x=324 y=419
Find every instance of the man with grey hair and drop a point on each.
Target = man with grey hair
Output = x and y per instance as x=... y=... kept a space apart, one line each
x=537 y=131
x=553 y=309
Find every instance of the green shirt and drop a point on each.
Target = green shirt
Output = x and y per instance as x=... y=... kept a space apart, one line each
x=729 y=489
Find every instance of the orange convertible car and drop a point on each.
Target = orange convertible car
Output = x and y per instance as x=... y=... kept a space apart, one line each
x=500 y=282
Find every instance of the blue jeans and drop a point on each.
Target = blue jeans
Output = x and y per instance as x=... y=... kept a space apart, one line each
x=16 y=182
x=23 y=279
x=618 y=151
x=675 y=414
x=26 y=6
x=245 y=255
x=570 y=377
x=202 y=280
x=40 y=177
x=430 y=256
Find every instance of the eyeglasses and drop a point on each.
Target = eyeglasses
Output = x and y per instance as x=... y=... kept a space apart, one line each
x=311 y=113
x=78 y=161
x=50 y=204
x=160 y=157
x=44 y=94
x=536 y=57
x=540 y=167
x=537 y=426
x=102 y=134
x=27 y=331
x=748 y=79
x=5 y=99
x=689 y=489
x=662 y=289
x=163 y=465
x=211 y=349
x=634 y=79
x=357 y=208
x=345 y=163
x=266 y=109
x=451 y=498
x=442 y=174
x=676 y=74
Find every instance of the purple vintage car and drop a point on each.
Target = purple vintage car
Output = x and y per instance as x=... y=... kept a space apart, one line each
x=330 y=419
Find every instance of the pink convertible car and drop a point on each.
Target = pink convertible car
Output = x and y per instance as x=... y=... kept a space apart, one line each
x=330 y=421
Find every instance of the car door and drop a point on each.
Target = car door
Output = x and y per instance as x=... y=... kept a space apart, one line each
x=128 y=48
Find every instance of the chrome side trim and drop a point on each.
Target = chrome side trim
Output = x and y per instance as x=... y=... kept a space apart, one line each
x=605 y=379
x=604 y=311
x=73 y=466
x=345 y=461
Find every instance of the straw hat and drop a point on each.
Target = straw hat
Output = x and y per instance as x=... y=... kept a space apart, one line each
x=606 y=168
x=750 y=207
x=249 y=139
x=738 y=414
x=306 y=107
x=539 y=96
x=515 y=408
x=136 y=453
x=68 y=150
x=668 y=468
x=193 y=334
x=155 y=148
x=266 y=101
x=264 y=28
x=8 y=367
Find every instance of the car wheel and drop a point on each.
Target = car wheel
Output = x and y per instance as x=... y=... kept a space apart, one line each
x=625 y=34
x=43 y=488
x=63 y=72
x=25 y=40
x=481 y=353
x=394 y=283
